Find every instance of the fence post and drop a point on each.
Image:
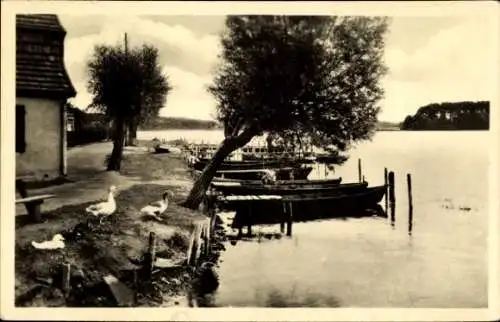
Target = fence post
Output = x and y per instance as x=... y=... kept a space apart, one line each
x=151 y=254
x=66 y=278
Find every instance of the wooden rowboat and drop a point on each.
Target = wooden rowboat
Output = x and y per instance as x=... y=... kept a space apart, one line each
x=283 y=190
x=309 y=206
x=248 y=165
x=279 y=182
x=256 y=174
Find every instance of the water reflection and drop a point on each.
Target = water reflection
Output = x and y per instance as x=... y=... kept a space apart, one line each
x=279 y=298
x=359 y=262
x=366 y=262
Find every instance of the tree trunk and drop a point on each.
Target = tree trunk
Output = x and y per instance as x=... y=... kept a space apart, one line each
x=203 y=182
x=131 y=134
x=115 y=159
x=269 y=141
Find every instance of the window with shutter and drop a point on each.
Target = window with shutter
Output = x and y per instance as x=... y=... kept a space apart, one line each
x=20 y=128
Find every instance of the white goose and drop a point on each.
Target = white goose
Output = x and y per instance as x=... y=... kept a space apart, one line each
x=155 y=209
x=56 y=243
x=105 y=208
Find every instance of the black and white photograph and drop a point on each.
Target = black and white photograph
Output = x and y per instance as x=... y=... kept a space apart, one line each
x=260 y=157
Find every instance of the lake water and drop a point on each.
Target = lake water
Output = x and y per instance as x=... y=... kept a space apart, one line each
x=366 y=262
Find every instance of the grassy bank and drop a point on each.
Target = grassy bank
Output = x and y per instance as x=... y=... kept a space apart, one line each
x=118 y=245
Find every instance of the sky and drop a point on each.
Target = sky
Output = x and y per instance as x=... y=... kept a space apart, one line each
x=430 y=59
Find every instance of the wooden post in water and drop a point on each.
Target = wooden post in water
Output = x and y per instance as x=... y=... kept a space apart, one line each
x=386 y=183
x=410 y=205
x=360 y=176
x=249 y=220
x=283 y=217
x=392 y=197
x=289 y=219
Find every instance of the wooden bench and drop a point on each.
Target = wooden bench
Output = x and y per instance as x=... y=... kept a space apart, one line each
x=32 y=203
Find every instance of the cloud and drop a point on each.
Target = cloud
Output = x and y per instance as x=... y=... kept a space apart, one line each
x=187 y=57
x=453 y=65
x=430 y=59
x=189 y=96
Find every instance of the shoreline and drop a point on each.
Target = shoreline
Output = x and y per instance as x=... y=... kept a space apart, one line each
x=115 y=248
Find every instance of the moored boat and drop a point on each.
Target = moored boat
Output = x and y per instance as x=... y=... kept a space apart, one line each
x=331 y=158
x=229 y=188
x=280 y=182
x=164 y=148
x=161 y=149
x=257 y=174
x=248 y=165
x=309 y=206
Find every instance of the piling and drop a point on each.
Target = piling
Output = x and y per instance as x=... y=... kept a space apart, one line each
x=66 y=277
x=249 y=221
x=283 y=218
x=392 y=197
x=386 y=190
x=151 y=254
x=410 y=204
x=359 y=171
x=289 y=219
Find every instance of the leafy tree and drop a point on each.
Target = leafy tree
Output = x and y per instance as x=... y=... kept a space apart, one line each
x=129 y=87
x=314 y=76
x=407 y=123
x=450 y=116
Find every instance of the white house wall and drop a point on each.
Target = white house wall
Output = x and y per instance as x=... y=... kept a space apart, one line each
x=42 y=158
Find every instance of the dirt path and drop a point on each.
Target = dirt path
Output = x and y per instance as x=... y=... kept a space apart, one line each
x=110 y=247
x=90 y=180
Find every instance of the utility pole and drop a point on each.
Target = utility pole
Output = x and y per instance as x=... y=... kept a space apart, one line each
x=126 y=55
x=126 y=43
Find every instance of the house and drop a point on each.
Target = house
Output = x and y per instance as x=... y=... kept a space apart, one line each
x=84 y=128
x=42 y=89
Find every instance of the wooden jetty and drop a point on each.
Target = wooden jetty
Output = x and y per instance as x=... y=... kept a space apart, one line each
x=274 y=208
x=248 y=201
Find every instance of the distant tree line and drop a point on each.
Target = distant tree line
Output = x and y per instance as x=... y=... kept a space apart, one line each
x=87 y=127
x=450 y=116
x=169 y=123
x=387 y=126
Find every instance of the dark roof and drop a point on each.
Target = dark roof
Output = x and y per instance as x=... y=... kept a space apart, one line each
x=39 y=22
x=40 y=70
